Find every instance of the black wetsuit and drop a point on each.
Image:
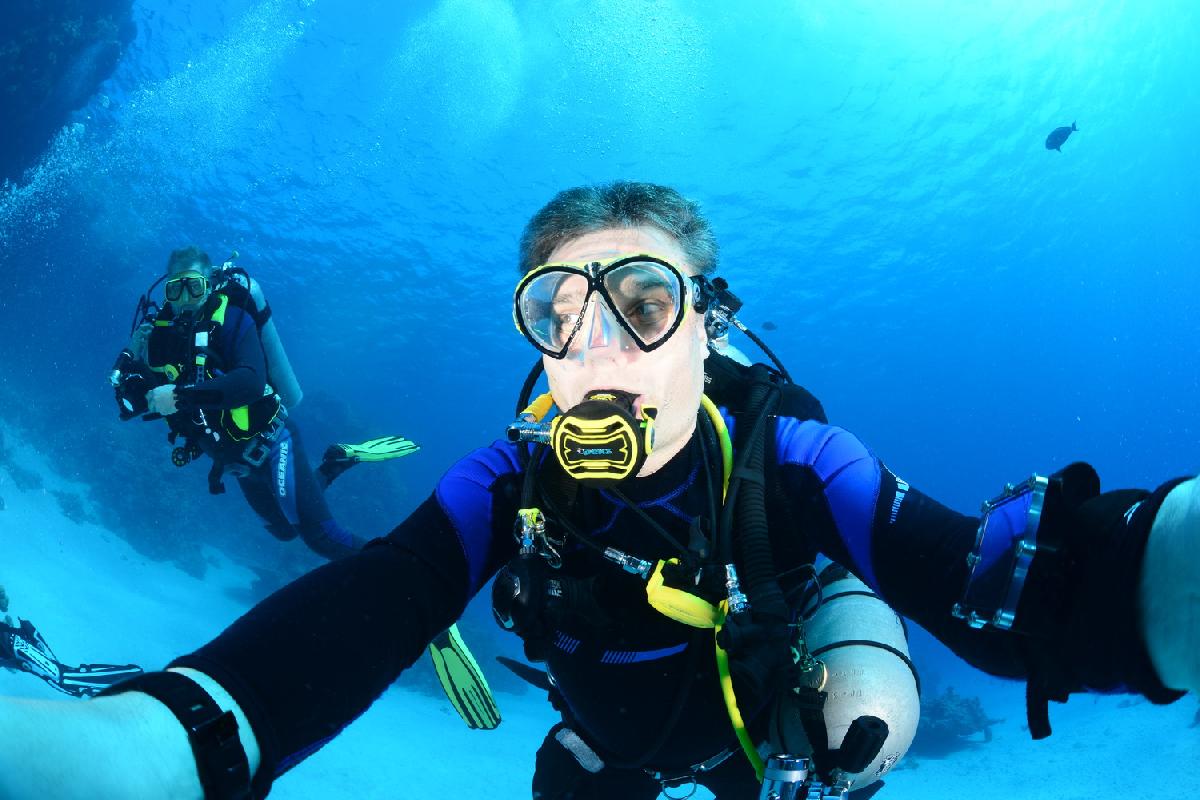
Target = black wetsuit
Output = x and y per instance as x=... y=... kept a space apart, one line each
x=283 y=490
x=620 y=677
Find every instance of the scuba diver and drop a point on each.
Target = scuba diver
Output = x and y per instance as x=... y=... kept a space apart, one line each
x=653 y=523
x=210 y=362
x=24 y=649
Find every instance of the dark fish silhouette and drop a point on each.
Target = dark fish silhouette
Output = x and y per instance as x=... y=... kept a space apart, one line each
x=769 y=326
x=1057 y=136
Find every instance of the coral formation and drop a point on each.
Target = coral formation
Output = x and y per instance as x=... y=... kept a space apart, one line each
x=951 y=722
x=53 y=56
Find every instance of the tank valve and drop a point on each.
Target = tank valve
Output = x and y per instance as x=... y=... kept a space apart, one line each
x=784 y=778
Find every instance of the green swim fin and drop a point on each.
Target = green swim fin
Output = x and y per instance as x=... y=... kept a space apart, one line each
x=463 y=681
x=380 y=449
x=340 y=457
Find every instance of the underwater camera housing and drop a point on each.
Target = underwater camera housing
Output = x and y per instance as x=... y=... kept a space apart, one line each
x=1005 y=545
x=1019 y=544
x=130 y=386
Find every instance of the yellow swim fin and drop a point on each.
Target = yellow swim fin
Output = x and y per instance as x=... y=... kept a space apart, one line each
x=463 y=681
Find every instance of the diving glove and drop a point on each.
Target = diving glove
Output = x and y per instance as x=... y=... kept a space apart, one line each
x=463 y=681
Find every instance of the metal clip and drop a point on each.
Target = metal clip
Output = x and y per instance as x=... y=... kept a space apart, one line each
x=531 y=527
x=738 y=602
x=630 y=564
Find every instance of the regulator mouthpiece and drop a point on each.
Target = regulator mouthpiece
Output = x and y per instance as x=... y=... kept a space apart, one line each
x=601 y=441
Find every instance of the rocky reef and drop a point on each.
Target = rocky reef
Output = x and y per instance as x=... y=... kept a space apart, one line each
x=951 y=722
x=53 y=56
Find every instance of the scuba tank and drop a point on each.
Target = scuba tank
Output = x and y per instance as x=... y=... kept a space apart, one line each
x=864 y=648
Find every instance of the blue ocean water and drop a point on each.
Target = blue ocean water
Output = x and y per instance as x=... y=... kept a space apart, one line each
x=972 y=305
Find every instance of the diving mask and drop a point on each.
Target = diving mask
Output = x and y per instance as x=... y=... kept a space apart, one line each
x=196 y=286
x=642 y=303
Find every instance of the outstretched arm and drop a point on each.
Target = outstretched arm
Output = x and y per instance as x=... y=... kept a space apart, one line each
x=295 y=670
x=1086 y=616
x=51 y=748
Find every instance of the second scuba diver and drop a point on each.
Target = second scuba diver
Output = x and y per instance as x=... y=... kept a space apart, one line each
x=209 y=362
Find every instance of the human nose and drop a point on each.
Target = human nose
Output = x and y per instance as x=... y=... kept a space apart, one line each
x=597 y=333
x=600 y=326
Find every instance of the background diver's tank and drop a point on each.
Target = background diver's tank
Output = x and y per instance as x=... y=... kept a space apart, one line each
x=279 y=370
x=865 y=649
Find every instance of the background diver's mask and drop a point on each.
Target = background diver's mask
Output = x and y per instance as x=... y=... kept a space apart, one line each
x=192 y=285
x=642 y=303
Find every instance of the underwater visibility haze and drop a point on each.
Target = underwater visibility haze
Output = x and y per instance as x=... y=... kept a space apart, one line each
x=970 y=229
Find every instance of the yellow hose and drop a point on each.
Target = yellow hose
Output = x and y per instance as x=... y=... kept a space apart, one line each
x=731 y=706
x=722 y=436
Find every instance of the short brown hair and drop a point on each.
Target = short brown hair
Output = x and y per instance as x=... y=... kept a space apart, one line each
x=622 y=204
x=186 y=258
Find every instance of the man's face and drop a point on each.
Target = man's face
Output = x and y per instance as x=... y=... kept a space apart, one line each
x=670 y=378
x=186 y=291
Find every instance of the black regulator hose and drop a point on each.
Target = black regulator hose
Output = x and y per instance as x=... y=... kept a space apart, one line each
x=758 y=639
x=753 y=540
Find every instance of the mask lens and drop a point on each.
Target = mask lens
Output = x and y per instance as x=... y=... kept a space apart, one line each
x=641 y=304
x=195 y=286
x=551 y=307
x=647 y=296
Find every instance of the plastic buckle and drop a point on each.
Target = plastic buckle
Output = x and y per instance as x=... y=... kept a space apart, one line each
x=228 y=771
x=221 y=762
x=257 y=451
x=260 y=446
x=1005 y=546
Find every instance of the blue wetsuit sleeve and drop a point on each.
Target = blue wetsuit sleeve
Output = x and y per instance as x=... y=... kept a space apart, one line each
x=906 y=546
x=243 y=364
x=479 y=496
x=1081 y=629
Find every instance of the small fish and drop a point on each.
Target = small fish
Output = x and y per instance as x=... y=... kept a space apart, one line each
x=769 y=326
x=1059 y=135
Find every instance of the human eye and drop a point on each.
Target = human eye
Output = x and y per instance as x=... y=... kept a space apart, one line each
x=647 y=314
x=564 y=323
